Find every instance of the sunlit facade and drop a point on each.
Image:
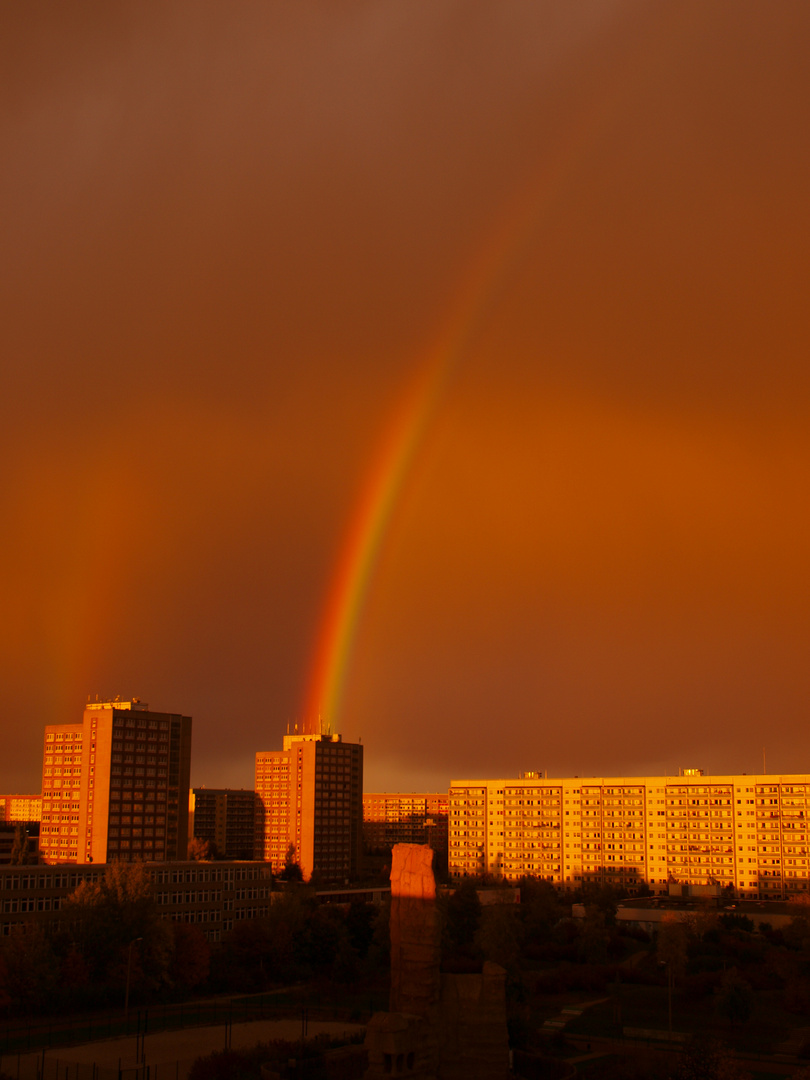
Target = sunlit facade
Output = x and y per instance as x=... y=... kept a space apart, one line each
x=20 y=808
x=748 y=832
x=311 y=795
x=112 y=785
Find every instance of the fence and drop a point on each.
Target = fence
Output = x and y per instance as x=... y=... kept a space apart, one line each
x=40 y=1067
x=29 y=1037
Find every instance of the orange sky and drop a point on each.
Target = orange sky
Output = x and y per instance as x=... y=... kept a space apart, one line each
x=231 y=236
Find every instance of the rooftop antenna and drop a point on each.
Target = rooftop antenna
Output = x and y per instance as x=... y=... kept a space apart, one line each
x=764 y=770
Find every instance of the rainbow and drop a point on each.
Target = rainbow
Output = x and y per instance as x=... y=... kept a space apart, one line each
x=480 y=287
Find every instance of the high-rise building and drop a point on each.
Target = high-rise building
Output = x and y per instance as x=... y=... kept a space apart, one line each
x=405 y=818
x=226 y=819
x=112 y=785
x=749 y=832
x=311 y=793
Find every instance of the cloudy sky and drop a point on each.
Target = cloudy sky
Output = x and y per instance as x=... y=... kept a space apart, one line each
x=555 y=254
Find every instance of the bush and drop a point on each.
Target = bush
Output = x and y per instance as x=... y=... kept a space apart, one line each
x=247 y=1064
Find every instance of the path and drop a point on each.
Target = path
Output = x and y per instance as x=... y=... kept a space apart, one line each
x=173 y=1052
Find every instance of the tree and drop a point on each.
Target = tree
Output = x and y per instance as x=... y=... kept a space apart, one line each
x=360 y=924
x=21 y=853
x=708 y=1060
x=199 y=850
x=500 y=936
x=462 y=912
x=292 y=869
x=105 y=917
x=191 y=955
x=735 y=998
x=673 y=938
x=29 y=970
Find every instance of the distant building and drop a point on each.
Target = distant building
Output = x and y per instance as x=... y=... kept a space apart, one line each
x=225 y=818
x=311 y=794
x=741 y=832
x=405 y=818
x=23 y=809
x=112 y=785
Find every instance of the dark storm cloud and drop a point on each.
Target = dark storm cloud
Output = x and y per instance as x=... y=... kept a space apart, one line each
x=229 y=239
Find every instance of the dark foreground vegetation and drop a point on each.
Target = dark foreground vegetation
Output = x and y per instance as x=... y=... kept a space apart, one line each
x=728 y=986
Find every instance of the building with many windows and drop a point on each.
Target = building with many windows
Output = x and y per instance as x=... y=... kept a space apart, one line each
x=746 y=832
x=405 y=818
x=214 y=896
x=23 y=809
x=112 y=785
x=311 y=794
x=225 y=818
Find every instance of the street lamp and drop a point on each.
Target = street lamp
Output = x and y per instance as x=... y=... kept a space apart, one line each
x=129 y=973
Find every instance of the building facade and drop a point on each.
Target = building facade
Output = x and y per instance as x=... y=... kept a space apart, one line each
x=748 y=832
x=311 y=794
x=225 y=818
x=214 y=896
x=115 y=785
x=21 y=809
x=405 y=818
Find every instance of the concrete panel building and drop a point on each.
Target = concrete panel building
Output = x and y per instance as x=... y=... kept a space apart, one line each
x=405 y=818
x=744 y=831
x=22 y=809
x=311 y=794
x=115 y=785
x=225 y=818
x=214 y=896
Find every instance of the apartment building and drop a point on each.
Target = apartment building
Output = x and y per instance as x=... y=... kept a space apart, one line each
x=311 y=794
x=214 y=896
x=405 y=818
x=744 y=831
x=20 y=809
x=225 y=818
x=112 y=784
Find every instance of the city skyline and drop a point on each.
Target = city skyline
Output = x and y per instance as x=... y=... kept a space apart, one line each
x=440 y=372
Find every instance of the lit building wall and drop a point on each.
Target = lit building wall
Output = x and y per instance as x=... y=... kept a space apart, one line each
x=20 y=808
x=311 y=794
x=748 y=832
x=112 y=785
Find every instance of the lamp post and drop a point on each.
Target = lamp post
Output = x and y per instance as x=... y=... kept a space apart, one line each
x=129 y=973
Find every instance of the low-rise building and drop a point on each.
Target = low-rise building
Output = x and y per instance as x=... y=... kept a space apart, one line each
x=214 y=896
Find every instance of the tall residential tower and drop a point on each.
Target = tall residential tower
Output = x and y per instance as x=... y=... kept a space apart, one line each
x=311 y=793
x=115 y=785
